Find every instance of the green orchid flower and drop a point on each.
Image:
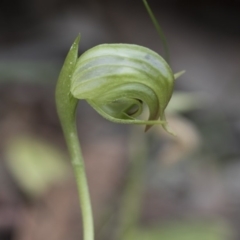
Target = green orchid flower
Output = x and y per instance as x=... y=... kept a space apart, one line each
x=117 y=80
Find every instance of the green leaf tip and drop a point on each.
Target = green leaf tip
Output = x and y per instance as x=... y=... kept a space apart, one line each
x=65 y=102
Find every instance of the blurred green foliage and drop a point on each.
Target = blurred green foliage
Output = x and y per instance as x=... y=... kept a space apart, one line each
x=35 y=72
x=180 y=231
x=34 y=164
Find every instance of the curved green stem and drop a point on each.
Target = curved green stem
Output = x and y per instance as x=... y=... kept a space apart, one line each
x=66 y=108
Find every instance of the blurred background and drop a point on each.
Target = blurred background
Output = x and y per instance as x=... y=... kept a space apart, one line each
x=143 y=185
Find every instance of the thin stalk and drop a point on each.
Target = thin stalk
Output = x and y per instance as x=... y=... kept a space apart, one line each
x=66 y=108
x=81 y=179
x=159 y=31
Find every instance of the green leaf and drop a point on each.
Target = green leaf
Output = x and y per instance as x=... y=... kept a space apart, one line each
x=66 y=103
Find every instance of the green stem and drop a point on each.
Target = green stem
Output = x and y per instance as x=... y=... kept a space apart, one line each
x=159 y=31
x=80 y=175
x=66 y=109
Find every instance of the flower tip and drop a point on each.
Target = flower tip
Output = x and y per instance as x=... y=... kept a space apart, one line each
x=147 y=128
x=179 y=74
x=169 y=130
